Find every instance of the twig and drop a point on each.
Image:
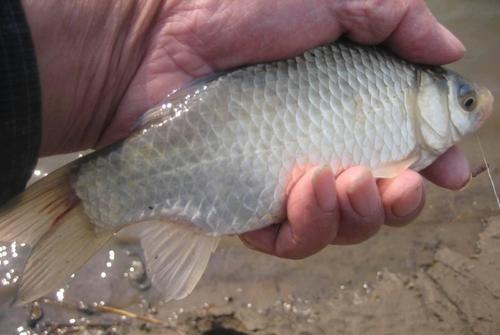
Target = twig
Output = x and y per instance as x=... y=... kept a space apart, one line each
x=122 y=312
x=114 y=310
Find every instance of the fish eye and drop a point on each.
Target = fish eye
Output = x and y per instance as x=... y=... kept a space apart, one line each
x=467 y=97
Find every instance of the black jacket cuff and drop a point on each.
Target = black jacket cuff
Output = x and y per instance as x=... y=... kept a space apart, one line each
x=20 y=101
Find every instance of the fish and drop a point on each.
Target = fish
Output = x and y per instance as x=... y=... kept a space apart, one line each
x=215 y=158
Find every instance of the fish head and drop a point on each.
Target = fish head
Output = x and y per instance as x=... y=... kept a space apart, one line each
x=469 y=104
x=449 y=107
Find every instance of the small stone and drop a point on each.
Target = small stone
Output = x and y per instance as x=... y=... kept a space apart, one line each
x=138 y=276
x=84 y=308
x=36 y=314
x=137 y=272
x=112 y=331
x=145 y=327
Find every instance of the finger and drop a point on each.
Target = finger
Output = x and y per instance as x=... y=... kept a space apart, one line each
x=421 y=38
x=403 y=197
x=360 y=204
x=312 y=219
x=408 y=26
x=451 y=170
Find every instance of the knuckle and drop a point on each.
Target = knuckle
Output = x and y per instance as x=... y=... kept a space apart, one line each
x=394 y=221
x=357 y=232
x=300 y=245
x=371 y=21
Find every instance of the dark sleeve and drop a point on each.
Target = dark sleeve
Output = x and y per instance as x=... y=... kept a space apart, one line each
x=20 y=106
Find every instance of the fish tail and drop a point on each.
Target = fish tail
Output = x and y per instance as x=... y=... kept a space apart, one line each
x=50 y=219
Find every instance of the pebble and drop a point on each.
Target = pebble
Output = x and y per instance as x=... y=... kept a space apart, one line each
x=36 y=314
x=84 y=308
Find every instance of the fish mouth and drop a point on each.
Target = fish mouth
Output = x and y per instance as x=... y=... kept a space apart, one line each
x=487 y=100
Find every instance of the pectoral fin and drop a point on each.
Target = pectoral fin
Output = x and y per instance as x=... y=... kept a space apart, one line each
x=176 y=256
x=394 y=169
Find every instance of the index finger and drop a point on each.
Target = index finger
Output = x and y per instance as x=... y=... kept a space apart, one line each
x=421 y=38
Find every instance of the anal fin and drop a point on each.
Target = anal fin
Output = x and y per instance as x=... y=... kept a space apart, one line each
x=176 y=256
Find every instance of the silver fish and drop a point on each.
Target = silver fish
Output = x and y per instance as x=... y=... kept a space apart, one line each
x=216 y=158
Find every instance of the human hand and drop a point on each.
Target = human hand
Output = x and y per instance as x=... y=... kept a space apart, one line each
x=350 y=209
x=102 y=64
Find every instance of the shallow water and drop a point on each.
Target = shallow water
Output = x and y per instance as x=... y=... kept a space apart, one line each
x=239 y=278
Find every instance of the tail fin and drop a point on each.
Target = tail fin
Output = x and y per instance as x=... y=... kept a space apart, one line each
x=49 y=217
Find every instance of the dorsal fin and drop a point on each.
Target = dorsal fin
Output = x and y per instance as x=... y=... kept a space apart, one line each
x=165 y=110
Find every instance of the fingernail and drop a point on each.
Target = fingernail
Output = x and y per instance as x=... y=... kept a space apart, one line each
x=361 y=195
x=408 y=203
x=324 y=189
